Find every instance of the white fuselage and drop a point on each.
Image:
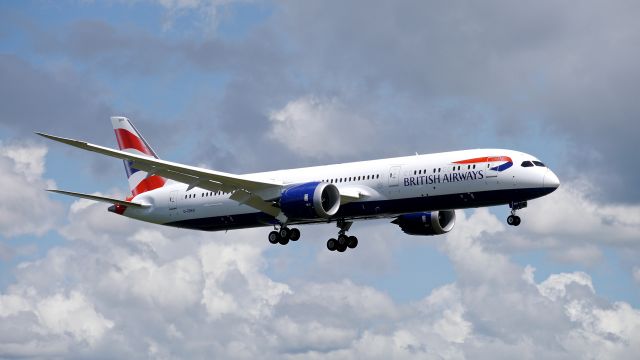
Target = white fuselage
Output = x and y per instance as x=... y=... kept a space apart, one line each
x=376 y=188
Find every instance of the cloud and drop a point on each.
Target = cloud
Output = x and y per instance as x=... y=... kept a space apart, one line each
x=574 y=225
x=26 y=208
x=320 y=128
x=132 y=288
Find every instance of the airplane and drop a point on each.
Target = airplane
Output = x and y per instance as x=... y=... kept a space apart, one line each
x=419 y=192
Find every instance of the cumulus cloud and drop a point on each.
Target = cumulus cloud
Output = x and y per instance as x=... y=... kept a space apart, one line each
x=318 y=127
x=26 y=207
x=144 y=289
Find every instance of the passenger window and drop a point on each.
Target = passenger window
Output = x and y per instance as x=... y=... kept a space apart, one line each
x=526 y=164
x=538 y=163
x=468 y=167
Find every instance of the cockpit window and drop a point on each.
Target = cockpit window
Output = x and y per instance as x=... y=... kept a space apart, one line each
x=526 y=164
x=538 y=163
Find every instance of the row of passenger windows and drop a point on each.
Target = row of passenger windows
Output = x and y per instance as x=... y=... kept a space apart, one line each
x=352 y=178
x=205 y=194
x=435 y=170
x=531 y=163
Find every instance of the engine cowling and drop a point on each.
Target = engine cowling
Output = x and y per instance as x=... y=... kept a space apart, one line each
x=310 y=201
x=427 y=223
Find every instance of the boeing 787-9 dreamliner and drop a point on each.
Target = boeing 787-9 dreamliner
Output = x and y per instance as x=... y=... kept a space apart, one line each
x=419 y=192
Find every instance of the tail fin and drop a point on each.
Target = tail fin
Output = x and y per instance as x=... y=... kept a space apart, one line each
x=130 y=140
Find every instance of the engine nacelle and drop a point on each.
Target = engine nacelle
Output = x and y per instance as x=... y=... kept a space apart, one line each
x=427 y=223
x=310 y=201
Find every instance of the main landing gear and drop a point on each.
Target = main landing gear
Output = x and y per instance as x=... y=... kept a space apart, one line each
x=513 y=219
x=343 y=242
x=283 y=235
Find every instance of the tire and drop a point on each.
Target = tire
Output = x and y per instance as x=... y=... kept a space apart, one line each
x=353 y=242
x=284 y=241
x=341 y=248
x=274 y=237
x=511 y=220
x=343 y=240
x=332 y=244
x=294 y=234
x=285 y=233
x=517 y=221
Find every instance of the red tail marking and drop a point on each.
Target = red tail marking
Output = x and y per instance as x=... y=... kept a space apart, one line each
x=127 y=140
x=148 y=184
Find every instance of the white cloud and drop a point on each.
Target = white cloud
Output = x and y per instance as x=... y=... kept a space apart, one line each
x=574 y=226
x=25 y=207
x=176 y=293
x=318 y=127
x=570 y=212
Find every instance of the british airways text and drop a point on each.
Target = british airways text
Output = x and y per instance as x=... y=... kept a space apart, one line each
x=443 y=178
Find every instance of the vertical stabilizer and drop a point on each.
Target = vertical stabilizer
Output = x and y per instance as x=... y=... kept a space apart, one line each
x=130 y=140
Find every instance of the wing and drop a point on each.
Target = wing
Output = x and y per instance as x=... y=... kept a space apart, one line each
x=100 y=198
x=255 y=193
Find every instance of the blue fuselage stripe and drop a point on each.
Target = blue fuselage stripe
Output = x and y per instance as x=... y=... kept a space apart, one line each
x=372 y=209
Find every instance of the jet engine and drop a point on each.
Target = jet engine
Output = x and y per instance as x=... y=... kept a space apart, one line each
x=310 y=201
x=427 y=223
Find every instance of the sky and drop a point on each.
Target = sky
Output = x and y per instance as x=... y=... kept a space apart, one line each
x=248 y=86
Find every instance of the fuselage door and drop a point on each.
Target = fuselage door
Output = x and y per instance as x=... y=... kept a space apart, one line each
x=173 y=203
x=394 y=176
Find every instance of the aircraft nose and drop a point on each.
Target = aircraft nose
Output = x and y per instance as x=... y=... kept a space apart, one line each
x=550 y=180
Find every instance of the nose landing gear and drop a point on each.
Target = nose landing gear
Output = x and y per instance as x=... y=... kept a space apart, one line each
x=513 y=219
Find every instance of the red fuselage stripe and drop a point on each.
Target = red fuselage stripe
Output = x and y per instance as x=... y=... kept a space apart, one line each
x=484 y=159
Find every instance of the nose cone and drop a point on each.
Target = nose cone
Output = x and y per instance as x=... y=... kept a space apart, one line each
x=550 y=180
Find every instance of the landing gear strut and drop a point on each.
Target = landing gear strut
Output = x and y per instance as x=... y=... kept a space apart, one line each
x=283 y=235
x=344 y=241
x=513 y=219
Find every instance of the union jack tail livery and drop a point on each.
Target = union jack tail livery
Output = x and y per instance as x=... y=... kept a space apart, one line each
x=130 y=140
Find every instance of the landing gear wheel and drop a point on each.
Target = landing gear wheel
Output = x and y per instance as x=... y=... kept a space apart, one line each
x=343 y=240
x=285 y=233
x=274 y=237
x=513 y=220
x=332 y=244
x=353 y=242
x=284 y=240
x=294 y=234
x=517 y=222
x=341 y=248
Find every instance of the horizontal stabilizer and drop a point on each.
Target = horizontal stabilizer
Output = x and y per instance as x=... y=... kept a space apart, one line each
x=100 y=198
